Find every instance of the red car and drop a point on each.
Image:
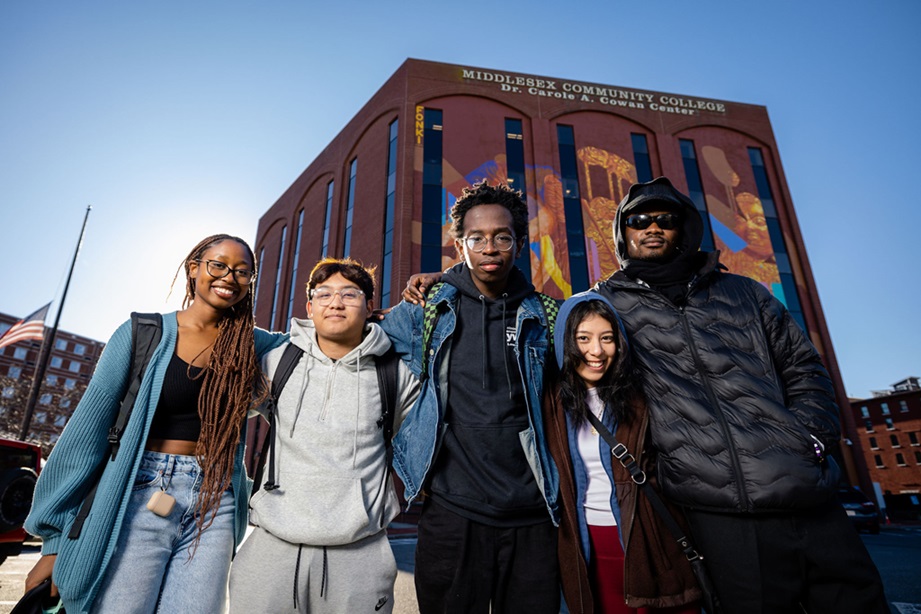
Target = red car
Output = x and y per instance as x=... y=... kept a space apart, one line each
x=20 y=464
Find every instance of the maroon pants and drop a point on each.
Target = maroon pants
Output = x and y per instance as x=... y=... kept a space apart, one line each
x=606 y=574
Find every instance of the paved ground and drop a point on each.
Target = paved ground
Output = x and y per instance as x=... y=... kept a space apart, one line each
x=13 y=574
x=896 y=551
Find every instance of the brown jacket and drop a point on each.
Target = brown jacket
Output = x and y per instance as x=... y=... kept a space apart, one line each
x=656 y=571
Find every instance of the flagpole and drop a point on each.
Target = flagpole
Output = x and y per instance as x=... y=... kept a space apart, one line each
x=48 y=343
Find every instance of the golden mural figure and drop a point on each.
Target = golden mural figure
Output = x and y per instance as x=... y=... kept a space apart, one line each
x=597 y=220
x=598 y=211
x=743 y=214
x=756 y=260
x=613 y=164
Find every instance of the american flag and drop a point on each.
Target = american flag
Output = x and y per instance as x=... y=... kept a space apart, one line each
x=30 y=327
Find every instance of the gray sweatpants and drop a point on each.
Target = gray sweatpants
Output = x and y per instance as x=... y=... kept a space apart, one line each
x=273 y=576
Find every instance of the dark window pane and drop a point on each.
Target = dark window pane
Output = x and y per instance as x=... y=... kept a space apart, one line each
x=572 y=209
x=641 y=158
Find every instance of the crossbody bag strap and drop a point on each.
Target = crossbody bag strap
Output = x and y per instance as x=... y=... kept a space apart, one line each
x=620 y=452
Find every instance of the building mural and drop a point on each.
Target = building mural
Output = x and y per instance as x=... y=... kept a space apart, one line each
x=740 y=229
x=737 y=217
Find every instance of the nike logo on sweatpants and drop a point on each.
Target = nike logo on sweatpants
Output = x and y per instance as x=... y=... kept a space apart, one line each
x=380 y=603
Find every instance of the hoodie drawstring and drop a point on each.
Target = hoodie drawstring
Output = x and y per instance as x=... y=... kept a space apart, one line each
x=485 y=362
x=508 y=378
x=324 y=580
x=297 y=571
x=357 y=414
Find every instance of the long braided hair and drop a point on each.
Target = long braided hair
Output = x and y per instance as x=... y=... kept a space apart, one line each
x=227 y=390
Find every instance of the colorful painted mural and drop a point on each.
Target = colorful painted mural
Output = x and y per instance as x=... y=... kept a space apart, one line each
x=549 y=251
x=599 y=205
x=736 y=217
x=739 y=225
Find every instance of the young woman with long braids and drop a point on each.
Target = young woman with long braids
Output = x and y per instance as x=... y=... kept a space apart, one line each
x=615 y=554
x=181 y=449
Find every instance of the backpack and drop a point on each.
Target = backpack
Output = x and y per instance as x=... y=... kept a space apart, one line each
x=386 y=366
x=432 y=311
x=146 y=332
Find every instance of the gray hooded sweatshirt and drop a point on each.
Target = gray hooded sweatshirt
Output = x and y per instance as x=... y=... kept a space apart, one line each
x=333 y=482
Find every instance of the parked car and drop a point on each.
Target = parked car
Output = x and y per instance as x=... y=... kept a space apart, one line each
x=862 y=512
x=20 y=464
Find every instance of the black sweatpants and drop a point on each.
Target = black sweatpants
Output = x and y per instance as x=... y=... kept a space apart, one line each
x=463 y=566
x=806 y=561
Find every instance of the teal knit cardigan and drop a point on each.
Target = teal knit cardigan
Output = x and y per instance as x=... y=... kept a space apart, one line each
x=81 y=564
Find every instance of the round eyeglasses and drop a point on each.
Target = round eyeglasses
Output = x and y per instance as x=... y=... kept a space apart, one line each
x=219 y=270
x=349 y=296
x=502 y=242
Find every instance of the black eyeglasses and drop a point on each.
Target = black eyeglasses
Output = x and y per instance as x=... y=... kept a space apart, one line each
x=219 y=270
x=642 y=221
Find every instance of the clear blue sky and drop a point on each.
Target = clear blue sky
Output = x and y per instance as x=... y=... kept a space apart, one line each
x=176 y=119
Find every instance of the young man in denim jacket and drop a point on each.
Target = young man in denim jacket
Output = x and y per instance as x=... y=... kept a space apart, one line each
x=475 y=440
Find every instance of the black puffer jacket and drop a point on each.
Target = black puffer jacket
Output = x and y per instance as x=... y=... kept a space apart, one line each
x=735 y=391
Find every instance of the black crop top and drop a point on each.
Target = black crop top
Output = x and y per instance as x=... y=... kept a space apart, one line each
x=177 y=416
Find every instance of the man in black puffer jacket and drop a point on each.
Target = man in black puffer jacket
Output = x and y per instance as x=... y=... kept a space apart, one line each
x=743 y=416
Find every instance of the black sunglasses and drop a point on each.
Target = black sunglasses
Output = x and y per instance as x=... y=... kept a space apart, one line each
x=642 y=221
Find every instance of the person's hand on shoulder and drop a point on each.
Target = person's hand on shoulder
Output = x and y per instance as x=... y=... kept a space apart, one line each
x=418 y=285
x=377 y=315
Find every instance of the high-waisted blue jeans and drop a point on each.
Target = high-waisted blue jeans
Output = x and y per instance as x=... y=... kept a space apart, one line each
x=153 y=569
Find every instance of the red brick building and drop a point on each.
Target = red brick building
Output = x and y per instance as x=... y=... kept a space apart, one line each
x=889 y=428
x=70 y=367
x=380 y=192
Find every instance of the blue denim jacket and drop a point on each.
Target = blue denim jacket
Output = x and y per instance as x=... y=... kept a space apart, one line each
x=419 y=438
x=581 y=477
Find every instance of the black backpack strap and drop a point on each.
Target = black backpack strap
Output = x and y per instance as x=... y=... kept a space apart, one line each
x=387 y=366
x=146 y=332
x=387 y=380
x=289 y=359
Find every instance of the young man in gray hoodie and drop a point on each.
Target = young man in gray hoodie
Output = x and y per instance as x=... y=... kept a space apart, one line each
x=320 y=543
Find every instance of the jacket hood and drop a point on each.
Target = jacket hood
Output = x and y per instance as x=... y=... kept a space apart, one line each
x=662 y=191
x=559 y=330
x=474 y=310
x=304 y=336
x=459 y=277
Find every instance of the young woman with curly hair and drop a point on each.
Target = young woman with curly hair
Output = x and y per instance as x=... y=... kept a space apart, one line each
x=184 y=441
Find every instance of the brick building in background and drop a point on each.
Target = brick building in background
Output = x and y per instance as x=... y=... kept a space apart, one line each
x=381 y=190
x=70 y=367
x=889 y=427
